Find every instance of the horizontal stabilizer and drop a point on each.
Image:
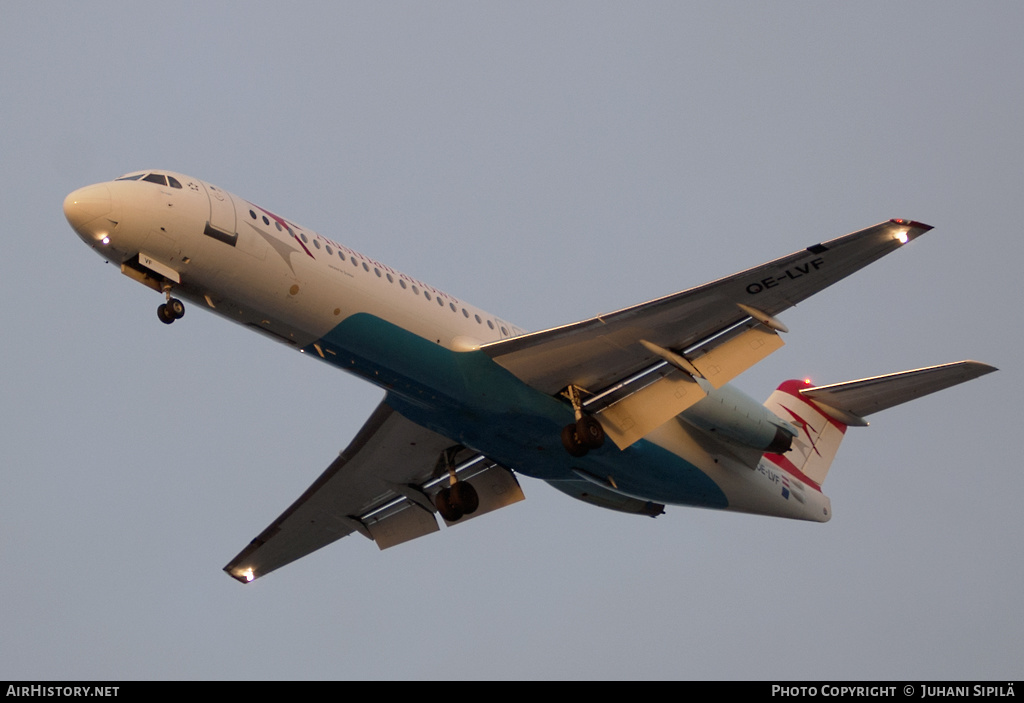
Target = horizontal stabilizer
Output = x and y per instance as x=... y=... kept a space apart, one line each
x=871 y=395
x=822 y=413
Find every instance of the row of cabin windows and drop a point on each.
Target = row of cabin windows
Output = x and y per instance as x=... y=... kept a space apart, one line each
x=164 y=180
x=366 y=267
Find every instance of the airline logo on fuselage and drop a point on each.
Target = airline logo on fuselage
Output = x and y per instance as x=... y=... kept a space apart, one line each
x=283 y=224
x=808 y=430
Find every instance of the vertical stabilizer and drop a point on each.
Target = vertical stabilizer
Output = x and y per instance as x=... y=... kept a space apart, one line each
x=816 y=445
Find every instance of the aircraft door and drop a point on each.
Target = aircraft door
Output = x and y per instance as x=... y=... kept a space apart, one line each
x=221 y=224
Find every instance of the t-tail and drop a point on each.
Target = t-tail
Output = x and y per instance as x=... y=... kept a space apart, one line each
x=822 y=413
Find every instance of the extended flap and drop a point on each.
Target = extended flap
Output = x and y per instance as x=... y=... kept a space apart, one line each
x=631 y=418
x=729 y=359
x=403 y=526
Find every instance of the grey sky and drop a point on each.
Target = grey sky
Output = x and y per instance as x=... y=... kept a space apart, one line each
x=546 y=161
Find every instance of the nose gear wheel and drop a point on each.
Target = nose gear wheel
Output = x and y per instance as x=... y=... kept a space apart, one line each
x=172 y=310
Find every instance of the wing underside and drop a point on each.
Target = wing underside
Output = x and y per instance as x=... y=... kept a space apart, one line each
x=380 y=486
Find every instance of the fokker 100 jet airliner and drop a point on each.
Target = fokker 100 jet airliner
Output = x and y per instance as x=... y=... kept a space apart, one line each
x=629 y=410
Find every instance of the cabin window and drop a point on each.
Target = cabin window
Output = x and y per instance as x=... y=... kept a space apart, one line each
x=265 y=220
x=401 y=283
x=329 y=250
x=316 y=243
x=252 y=214
x=426 y=294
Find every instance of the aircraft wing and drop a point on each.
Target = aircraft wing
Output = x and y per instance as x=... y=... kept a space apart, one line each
x=649 y=362
x=381 y=486
x=596 y=353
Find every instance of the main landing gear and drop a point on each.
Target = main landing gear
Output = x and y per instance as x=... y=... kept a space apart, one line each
x=459 y=498
x=584 y=434
x=172 y=310
x=457 y=501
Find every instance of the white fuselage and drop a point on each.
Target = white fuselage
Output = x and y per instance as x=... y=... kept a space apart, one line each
x=218 y=251
x=276 y=275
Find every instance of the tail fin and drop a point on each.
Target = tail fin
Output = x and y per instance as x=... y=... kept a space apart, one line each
x=822 y=413
x=819 y=435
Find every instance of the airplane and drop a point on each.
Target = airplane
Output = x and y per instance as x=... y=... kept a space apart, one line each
x=630 y=410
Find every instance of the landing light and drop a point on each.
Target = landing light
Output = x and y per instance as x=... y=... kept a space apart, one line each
x=248 y=575
x=105 y=241
x=901 y=236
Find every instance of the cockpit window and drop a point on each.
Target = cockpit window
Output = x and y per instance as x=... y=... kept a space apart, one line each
x=131 y=177
x=174 y=182
x=157 y=178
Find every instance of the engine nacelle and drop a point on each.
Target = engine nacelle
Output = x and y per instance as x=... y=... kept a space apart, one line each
x=734 y=417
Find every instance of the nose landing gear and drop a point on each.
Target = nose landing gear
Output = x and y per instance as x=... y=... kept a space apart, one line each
x=172 y=310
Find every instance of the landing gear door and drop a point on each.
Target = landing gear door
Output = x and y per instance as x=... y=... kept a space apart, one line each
x=221 y=224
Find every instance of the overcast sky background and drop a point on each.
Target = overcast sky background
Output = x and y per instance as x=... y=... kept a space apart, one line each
x=547 y=162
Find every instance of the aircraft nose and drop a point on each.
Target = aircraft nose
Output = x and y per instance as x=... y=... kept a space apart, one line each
x=84 y=206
